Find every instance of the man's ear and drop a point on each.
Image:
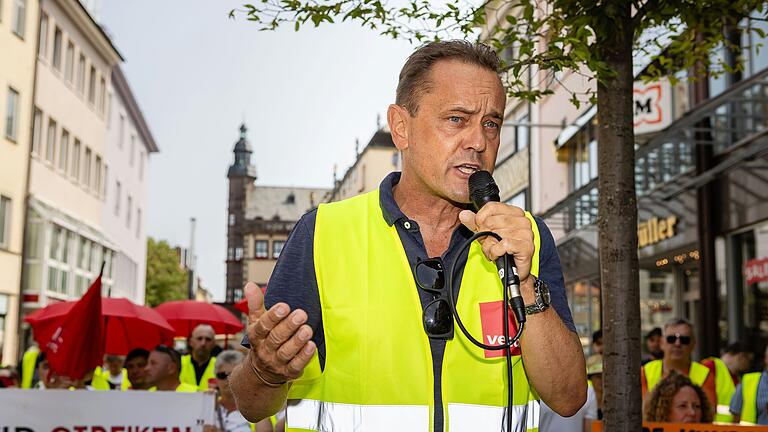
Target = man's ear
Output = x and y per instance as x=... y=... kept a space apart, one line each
x=398 y=118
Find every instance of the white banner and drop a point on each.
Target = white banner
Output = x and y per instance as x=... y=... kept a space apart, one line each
x=104 y=411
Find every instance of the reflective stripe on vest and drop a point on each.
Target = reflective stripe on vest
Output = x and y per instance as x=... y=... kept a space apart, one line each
x=749 y=383
x=187 y=374
x=697 y=373
x=28 y=366
x=378 y=368
x=724 y=388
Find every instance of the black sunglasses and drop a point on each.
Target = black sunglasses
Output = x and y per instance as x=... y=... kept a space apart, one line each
x=684 y=340
x=222 y=375
x=436 y=315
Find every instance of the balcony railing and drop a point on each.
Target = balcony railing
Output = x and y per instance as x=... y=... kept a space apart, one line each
x=735 y=123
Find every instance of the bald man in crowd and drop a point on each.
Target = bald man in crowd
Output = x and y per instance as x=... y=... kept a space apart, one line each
x=198 y=367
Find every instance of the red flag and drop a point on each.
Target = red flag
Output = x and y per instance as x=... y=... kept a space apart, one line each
x=76 y=346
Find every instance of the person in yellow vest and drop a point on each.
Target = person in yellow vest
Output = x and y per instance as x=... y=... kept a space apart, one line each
x=749 y=403
x=359 y=331
x=113 y=377
x=677 y=344
x=163 y=369
x=29 y=362
x=198 y=367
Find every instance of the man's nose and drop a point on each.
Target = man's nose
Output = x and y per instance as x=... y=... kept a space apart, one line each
x=476 y=139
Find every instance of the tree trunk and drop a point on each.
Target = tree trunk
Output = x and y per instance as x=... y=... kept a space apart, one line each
x=617 y=224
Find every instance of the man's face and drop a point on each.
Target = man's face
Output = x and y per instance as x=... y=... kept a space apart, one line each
x=455 y=131
x=159 y=367
x=597 y=346
x=653 y=344
x=676 y=349
x=223 y=384
x=202 y=341
x=136 y=370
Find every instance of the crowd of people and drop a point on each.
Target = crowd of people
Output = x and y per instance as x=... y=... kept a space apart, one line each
x=677 y=389
x=205 y=367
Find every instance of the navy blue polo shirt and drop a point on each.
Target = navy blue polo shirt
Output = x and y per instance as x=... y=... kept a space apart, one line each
x=294 y=282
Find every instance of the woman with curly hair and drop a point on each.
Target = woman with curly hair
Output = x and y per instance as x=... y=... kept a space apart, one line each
x=676 y=399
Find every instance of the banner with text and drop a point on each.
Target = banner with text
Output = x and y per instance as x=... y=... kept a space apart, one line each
x=104 y=411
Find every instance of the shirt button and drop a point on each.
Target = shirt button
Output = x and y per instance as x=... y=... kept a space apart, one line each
x=407 y=225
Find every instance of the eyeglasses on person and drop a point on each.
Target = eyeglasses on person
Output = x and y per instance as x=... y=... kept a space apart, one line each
x=436 y=315
x=684 y=340
x=222 y=375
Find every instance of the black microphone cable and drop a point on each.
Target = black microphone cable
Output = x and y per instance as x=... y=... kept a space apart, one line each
x=508 y=343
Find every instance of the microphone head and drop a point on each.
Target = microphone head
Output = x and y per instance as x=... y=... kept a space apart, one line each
x=482 y=189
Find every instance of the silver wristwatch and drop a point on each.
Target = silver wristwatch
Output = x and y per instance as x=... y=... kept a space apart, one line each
x=543 y=299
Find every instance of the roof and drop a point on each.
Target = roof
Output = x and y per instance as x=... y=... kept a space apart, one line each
x=124 y=90
x=281 y=202
x=92 y=30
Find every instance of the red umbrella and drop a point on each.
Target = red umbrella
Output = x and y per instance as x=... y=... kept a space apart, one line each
x=185 y=315
x=126 y=325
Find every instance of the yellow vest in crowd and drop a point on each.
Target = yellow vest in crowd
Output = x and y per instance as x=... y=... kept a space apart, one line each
x=100 y=380
x=725 y=388
x=749 y=384
x=188 y=376
x=378 y=368
x=186 y=388
x=28 y=366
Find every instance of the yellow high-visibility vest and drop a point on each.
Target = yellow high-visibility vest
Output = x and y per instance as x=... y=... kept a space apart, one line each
x=28 y=366
x=187 y=374
x=378 y=370
x=725 y=388
x=749 y=383
x=100 y=380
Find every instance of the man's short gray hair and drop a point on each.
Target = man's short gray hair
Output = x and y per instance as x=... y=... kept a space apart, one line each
x=230 y=357
x=677 y=322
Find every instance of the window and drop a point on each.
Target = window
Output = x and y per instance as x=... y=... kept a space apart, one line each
x=521 y=133
x=238 y=253
x=583 y=158
x=518 y=200
x=12 y=115
x=75 y=173
x=69 y=63
x=58 y=263
x=97 y=175
x=102 y=94
x=92 y=86
x=50 y=144
x=231 y=219
x=64 y=150
x=19 y=17
x=260 y=249
x=129 y=212
x=5 y=221
x=121 y=132
x=37 y=126
x=57 y=36
x=87 y=167
x=118 y=194
x=42 y=48
x=138 y=223
x=131 y=155
x=141 y=165
x=277 y=247
x=103 y=191
x=81 y=74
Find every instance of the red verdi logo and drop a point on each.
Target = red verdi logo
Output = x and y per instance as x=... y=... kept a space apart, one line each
x=493 y=329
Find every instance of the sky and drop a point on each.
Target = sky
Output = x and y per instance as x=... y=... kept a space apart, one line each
x=197 y=74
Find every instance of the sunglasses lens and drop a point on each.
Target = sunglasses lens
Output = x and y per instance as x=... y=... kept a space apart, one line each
x=221 y=375
x=671 y=339
x=429 y=275
x=685 y=340
x=437 y=318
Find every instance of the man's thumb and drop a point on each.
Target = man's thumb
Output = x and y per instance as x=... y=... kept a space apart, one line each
x=255 y=300
x=467 y=217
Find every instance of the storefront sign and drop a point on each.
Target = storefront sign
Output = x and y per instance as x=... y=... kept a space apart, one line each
x=654 y=230
x=685 y=427
x=756 y=271
x=104 y=411
x=653 y=106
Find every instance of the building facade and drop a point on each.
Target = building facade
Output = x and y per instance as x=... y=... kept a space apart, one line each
x=129 y=143
x=259 y=221
x=378 y=158
x=18 y=41
x=65 y=241
x=701 y=158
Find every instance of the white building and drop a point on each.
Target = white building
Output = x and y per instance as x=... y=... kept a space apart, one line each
x=126 y=152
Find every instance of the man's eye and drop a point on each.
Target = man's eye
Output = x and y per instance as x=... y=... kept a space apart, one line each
x=455 y=119
x=491 y=124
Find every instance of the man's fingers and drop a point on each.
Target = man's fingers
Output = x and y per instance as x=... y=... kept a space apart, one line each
x=467 y=217
x=270 y=319
x=505 y=222
x=289 y=349
x=285 y=329
x=296 y=366
x=255 y=300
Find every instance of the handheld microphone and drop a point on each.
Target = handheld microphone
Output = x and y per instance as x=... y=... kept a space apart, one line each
x=482 y=189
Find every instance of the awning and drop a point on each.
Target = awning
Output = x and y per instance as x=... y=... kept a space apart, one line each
x=573 y=128
x=59 y=217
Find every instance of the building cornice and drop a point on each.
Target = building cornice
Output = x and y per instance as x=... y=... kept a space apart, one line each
x=92 y=30
x=124 y=90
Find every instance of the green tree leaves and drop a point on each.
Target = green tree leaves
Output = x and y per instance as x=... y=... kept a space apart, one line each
x=166 y=280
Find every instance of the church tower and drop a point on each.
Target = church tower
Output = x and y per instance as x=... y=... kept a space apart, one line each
x=241 y=175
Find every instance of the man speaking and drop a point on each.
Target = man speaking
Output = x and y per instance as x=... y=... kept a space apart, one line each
x=358 y=334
